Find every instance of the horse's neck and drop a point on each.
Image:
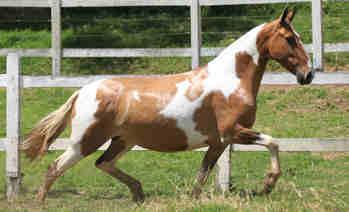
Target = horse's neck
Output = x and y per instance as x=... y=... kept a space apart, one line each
x=248 y=69
x=247 y=43
x=254 y=76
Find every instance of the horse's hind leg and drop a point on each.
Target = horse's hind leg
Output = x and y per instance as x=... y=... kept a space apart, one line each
x=84 y=144
x=107 y=164
x=70 y=157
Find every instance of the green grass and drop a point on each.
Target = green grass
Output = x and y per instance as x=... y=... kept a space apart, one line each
x=309 y=182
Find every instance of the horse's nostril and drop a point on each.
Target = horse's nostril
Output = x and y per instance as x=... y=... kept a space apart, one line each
x=304 y=78
x=310 y=76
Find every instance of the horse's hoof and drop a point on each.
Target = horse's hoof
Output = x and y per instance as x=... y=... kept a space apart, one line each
x=139 y=198
x=195 y=194
x=40 y=198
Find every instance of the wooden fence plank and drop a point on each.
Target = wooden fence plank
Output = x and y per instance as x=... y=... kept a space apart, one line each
x=121 y=3
x=26 y=52
x=286 y=145
x=56 y=41
x=224 y=170
x=13 y=126
x=240 y=2
x=336 y=47
x=318 y=47
x=136 y=52
x=24 y=3
x=270 y=78
x=195 y=18
x=144 y=52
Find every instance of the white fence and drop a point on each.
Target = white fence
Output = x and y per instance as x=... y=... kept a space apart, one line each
x=14 y=81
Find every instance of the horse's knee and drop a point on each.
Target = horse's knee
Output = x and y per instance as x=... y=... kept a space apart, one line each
x=103 y=165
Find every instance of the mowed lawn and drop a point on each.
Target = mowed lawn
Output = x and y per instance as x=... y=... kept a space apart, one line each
x=310 y=181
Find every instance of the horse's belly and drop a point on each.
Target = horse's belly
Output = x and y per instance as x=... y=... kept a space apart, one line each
x=164 y=137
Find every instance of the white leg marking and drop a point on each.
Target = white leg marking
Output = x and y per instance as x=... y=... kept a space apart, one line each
x=273 y=147
x=71 y=156
x=265 y=140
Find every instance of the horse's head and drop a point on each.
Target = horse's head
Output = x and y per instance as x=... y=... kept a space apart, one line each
x=279 y=41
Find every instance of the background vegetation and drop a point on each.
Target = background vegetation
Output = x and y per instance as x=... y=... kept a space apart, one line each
x=154 y=27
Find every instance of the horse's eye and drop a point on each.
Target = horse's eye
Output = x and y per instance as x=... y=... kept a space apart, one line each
x=292 y=41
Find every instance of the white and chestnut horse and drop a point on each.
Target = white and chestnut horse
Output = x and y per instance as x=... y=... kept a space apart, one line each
x=211 y=106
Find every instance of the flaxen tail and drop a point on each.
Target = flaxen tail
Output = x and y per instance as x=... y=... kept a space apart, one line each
x=47 y=130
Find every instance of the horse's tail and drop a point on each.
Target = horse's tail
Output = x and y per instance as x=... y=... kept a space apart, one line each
x=48 y=129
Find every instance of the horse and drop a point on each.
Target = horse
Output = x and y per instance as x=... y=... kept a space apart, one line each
x=212 y=106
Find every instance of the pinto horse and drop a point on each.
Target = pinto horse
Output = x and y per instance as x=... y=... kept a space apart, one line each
x=211 y=106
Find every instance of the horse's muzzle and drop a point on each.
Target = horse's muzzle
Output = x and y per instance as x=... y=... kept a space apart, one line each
x=305 y=78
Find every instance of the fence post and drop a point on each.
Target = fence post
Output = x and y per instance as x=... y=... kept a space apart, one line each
x=56 y=42
x=224 y=170
x=318 y=46
x=13 y=116
x=195 y=19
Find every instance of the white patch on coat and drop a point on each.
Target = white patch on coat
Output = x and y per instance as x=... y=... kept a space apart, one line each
x=241 y=94
x=135 y=96
x=247 y=43
x=221 y=77
x=86 y=106
x=182 y=110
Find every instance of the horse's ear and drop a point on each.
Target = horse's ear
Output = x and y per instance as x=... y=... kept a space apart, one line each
x=287 y=16
x=291 y=15
x=283 y=17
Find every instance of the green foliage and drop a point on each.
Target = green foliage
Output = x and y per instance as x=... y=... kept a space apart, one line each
x=155 y=27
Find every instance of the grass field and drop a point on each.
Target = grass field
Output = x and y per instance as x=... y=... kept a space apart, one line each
x=310 y=181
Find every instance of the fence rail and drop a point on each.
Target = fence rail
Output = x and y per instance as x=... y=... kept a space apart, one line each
x=13 y=80
x=145 y=52
x=132 y=3
x=336 y=78
x=285 y=145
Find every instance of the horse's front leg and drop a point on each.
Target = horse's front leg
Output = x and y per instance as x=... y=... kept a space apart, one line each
x=247 y=136
x=231 y=132
x=210 y=159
